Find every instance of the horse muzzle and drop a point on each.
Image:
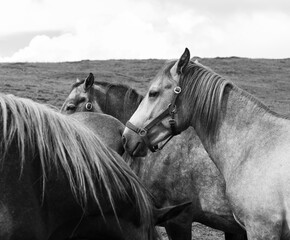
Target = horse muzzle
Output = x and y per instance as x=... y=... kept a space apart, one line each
x=133 y=144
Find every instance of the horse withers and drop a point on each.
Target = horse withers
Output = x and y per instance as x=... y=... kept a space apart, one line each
x=181 y=172
x=248 y=142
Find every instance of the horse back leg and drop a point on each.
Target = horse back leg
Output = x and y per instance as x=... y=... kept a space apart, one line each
x=177 y=231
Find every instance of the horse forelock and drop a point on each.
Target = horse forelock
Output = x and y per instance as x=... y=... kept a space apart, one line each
x=62 y=141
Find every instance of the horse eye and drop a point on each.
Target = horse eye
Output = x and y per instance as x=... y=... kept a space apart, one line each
x=71 y=107
x=153 y=94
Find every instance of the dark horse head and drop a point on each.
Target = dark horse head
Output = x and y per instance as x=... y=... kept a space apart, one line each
x=119 y=101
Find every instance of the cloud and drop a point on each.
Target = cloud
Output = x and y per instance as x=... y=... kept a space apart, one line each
x=129 y=29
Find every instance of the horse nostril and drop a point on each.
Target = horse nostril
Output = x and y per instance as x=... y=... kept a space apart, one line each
x=124 y=140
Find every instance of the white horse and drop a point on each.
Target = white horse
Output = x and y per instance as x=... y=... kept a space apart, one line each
x=249 y=143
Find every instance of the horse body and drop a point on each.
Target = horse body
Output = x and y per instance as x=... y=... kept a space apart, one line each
x=195 y=179
x=257 y=175
x=56 y=176
x=248 y=143
x=252 y=153
x=181 y=172
x=106 y=127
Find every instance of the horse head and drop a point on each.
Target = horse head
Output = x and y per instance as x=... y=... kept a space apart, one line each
x=159 y=115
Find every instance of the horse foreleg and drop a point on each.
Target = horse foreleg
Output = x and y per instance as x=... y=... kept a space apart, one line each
x=178 y=231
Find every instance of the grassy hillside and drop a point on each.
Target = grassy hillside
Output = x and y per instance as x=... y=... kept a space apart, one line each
x=269 y=80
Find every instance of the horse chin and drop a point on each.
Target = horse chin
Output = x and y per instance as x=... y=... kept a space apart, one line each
x=140 y=151
x=136 y=148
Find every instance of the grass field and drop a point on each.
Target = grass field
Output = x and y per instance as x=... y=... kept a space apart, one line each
x=268 y=80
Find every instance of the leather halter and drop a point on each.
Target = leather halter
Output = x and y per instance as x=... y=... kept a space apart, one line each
x=169 y=111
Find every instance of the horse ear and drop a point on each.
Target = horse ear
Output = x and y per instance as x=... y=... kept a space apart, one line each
x=89 y=82
x=180 y=65
x=161 y=215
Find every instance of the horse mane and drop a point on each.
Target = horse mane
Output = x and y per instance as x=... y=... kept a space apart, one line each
x=202 y=93
x=61 y=141
x=132 y=96
x=131 y=99
x=129 y=91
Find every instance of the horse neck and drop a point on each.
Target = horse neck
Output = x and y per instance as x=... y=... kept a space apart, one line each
x=244 y=125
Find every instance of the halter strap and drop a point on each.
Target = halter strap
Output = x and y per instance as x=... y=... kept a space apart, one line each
x=169 y=111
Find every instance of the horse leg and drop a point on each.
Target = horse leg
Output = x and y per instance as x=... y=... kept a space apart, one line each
x=231 y=236
x=177 y=231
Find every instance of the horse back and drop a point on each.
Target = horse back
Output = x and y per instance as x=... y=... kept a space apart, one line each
x=108 y=128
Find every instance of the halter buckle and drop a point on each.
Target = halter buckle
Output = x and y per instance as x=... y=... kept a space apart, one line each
x=177 y=90
x=142 y=132
x=172 y=122
x=89 y=106
x=173 y=110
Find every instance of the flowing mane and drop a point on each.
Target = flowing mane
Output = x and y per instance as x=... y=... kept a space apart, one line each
x=131 y=96
x=203 y=91
x=64 y=143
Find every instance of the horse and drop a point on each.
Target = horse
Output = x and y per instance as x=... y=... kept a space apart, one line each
x=82 y=98
x=248 y=142
x=181 y=172
x=59 y=181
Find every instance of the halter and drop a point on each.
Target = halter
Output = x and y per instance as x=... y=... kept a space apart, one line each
x=169 y=111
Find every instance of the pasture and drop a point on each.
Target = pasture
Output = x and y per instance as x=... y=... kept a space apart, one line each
x=268 y=80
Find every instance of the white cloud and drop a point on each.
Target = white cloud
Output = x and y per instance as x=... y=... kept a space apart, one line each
x=145 y=29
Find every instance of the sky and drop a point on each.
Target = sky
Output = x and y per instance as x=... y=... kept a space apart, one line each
x=73 y=30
